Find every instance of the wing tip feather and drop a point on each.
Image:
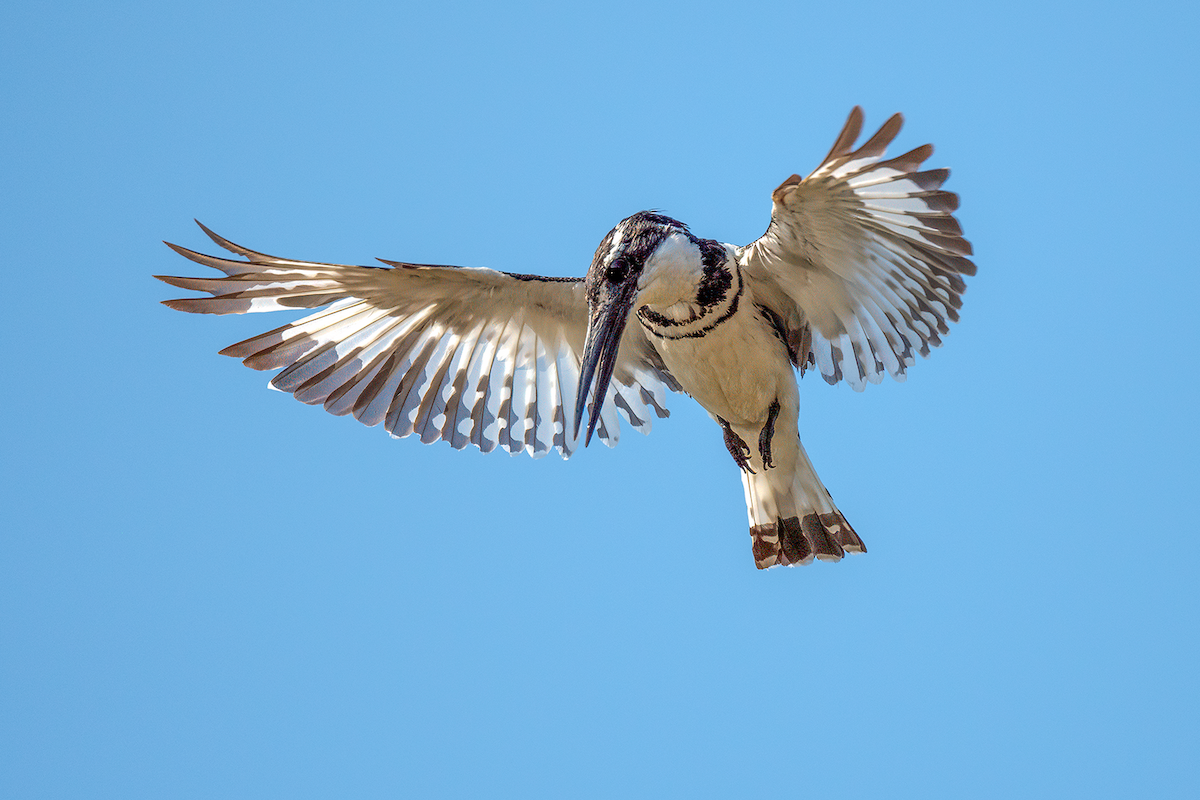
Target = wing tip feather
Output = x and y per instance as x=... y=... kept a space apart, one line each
x=842 y=146
x=230 y=246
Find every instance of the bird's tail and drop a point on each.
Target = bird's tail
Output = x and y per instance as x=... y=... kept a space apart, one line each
x=794 y=520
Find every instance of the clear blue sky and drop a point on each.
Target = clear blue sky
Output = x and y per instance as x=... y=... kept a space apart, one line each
x=210 y=590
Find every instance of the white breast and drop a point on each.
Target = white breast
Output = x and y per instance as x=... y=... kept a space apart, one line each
x=735 y=369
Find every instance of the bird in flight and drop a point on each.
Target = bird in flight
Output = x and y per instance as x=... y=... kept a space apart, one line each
x=860 y=269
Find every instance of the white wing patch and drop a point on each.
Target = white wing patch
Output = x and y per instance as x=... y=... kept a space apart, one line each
x=870 y=254
x=468 y=356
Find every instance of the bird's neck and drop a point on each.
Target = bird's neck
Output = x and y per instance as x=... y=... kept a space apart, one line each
x=690 y=292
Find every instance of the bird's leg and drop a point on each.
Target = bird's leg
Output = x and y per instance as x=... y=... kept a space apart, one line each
x=737 y=448
x=768 y=433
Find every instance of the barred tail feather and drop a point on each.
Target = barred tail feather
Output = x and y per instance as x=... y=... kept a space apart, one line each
x=794 y=522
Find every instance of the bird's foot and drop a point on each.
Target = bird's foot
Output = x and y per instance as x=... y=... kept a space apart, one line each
x=737 y=447
x=768 y=433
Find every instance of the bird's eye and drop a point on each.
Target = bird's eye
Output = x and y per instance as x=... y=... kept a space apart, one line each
x=617 y=270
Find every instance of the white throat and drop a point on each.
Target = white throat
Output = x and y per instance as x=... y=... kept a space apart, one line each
x=671 y=276
x=682 y=296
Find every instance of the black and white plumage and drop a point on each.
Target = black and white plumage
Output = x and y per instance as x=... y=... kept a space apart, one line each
x=860 y=269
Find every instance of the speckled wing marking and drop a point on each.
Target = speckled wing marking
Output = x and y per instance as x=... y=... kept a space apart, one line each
x=865 y=252
x=468 y=356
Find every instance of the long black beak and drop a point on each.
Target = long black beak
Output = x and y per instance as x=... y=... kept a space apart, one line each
x=600 y=347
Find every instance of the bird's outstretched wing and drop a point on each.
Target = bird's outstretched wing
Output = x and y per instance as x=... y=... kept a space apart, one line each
x=865 y=255
x=471 y=356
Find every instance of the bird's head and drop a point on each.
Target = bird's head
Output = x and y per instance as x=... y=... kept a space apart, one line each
x=628 y=263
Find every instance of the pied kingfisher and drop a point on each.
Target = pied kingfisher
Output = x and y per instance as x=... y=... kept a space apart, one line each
x=860 y=269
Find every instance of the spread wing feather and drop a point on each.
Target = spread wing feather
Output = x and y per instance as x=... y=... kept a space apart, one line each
x=866 y=254
x=469 y=356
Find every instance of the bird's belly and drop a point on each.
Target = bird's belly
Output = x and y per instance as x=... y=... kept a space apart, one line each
x=735 y=371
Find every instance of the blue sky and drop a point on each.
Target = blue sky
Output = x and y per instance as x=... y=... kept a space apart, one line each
x=210 y=590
